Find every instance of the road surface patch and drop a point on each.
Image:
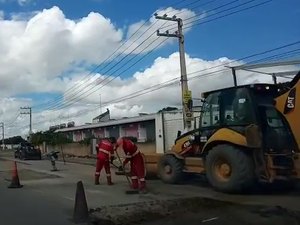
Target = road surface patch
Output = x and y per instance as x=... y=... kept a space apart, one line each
x=194 y=210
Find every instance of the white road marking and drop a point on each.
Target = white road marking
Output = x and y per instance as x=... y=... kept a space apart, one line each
x=96 y=191
x=211 y=219
x=68 y=198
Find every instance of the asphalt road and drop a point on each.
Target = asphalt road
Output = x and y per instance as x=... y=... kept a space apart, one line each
x=48 y=197
x=26 y=206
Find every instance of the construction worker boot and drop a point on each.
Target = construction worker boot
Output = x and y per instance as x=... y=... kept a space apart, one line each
x=97 y=180
x=109 y=182
x=143 y=189
x=134 y=184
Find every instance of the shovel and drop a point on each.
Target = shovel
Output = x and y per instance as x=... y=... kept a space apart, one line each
x=131 y=191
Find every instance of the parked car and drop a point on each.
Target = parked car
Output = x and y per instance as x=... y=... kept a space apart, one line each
x=28 y=151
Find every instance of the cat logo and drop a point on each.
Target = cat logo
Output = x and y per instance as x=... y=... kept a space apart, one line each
x=290 y=101
x=186 y=144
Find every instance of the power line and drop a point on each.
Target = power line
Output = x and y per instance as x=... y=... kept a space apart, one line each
x=13 y=120
x=105 y=61
x=78 y=91
x=74 y=97
x=175 y=80
x=217 y=13
x=268 y=51
x=192 y=3
x=54 y=105
x=226 y=15
x=108 y=58
x=284 y=55
x=88 y=92
x=157 y=87
x=203 y=13
x=203 y=4
x=231 y=8
x=214 y=67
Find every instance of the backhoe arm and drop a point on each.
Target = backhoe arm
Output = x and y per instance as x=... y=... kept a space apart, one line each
x=288 y=103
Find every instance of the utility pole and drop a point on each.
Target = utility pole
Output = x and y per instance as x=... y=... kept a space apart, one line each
x=186 y=93
x=28 y=112
x=3 y=144
x=100 y=104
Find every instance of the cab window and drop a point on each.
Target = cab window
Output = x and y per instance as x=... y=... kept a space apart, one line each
x=237 y=107
x=211 y=111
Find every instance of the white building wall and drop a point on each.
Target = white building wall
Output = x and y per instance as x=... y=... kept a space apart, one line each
x=159 y=133
x=142 y=133
x=173 y=122
x=167 y=125
x=106 y=133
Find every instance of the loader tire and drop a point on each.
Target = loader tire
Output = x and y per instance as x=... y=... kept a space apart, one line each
x=170 y=169
x=229 y=169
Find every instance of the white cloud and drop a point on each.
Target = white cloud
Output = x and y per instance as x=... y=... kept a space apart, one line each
x=147 y=29
x=162 y=70
x=20 y=2
x=44 y=52
x=38 y=47
x=34 y=53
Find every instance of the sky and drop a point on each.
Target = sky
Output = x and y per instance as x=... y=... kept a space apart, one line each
x=62 y=57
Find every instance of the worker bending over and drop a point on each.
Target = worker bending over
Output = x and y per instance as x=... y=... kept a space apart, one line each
x=105 y=154
x=137 y=167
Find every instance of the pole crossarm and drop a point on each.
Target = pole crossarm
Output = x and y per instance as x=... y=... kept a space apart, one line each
x=28 y=111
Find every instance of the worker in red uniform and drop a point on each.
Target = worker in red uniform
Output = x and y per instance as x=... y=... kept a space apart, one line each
x=136 y=160
x=105 y=155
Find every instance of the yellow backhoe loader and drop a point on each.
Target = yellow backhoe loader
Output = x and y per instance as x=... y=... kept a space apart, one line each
x=247 y=134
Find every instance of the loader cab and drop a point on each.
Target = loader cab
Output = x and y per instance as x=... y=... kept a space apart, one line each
x=231 y=107
x=237 y=108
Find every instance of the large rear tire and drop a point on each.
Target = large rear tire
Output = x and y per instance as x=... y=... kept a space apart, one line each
x=229 y=169
x=170 y=169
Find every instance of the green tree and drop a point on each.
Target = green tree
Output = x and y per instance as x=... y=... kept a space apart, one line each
x=49 y=137
x=13 y=140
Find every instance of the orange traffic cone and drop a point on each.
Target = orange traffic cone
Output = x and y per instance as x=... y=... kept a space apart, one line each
x=81 y=213
x=15 y=182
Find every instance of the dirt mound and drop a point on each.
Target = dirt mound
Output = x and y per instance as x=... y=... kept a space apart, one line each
x=199 y=210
